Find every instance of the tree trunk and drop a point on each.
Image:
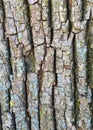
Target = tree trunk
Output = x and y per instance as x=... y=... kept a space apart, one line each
x=46 y=65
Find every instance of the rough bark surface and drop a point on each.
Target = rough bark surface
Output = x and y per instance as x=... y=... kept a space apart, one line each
x=46 y=64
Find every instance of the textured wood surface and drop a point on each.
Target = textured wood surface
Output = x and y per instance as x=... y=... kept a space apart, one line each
x=46 y=64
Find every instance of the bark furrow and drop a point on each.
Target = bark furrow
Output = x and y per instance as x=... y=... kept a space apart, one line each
x=46 y=65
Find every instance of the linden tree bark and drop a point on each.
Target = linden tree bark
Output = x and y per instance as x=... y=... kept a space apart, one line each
x=46 y=64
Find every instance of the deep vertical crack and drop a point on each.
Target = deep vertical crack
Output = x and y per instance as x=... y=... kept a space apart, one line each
x=0 y=119
x=68 y=10
x=9 y=54
x=76 y=103
x=54 y=67
x=53 y=105
x=3 y=11
x=83 y=7
x=84 y=3
x=50 y=13
x=53 y=91
x=14 y=122
x=50 y=20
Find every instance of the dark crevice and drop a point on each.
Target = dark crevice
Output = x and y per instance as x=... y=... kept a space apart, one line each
x=53 y=105
x=31 y=34
x=26 y=89
x=50 y=13
x=54 y=67
x=28 y=116
x=53 y=91
x=0 y=119
x=10 y=70
x=14 y=122
x=52 y=34
x=9 y=98
x=29 y=120
x=76 y=102
x=84 y=4
x=70 y=29
x=68 y=9
x=50 y=20
x=9 y=54
x=83 y=8
x=3 y=12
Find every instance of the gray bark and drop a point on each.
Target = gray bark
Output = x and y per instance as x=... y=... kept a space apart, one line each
x=46 y=65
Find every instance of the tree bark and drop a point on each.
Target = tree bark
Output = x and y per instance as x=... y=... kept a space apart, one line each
x=46 y=65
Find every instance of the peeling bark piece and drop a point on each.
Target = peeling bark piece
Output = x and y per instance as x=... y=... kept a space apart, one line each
x=7 y=121
x=60 y=107
x=38 y=37
x=4 y=77
x=4 y=66
x=59 y=65
x=18 y=105
x=76 y=10
x=64 y=88
x=39 y=55
x=84 y=114
x=33 y=1
x=57 y=39
x=90 y=47
x=18 y=91
x=59 y=12
x=46 y=108
x=47 y=21
x=77 y=27
x=17 y=23
x=88 y=12
x=48 y=65
x=32 y=94
x=46 y=118
x=46 y=92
